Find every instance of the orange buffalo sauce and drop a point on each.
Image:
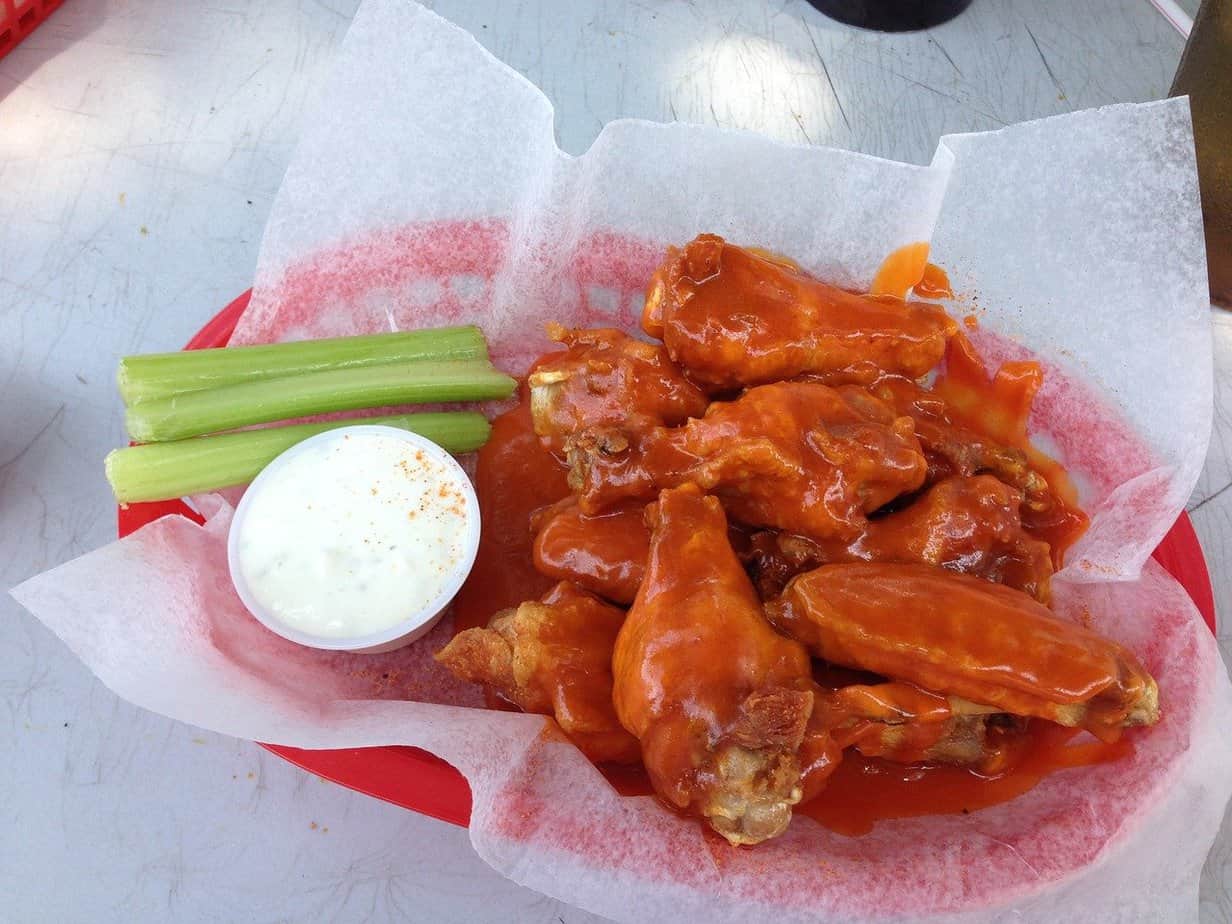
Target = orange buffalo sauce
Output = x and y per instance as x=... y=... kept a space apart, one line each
x=907 y=270
x=514 y=477
x=866 y=790
x=934 y=284
x=999 y=406
x=901 y=271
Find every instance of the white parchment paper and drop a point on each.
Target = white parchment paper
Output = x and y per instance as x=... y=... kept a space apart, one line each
x=429 y=190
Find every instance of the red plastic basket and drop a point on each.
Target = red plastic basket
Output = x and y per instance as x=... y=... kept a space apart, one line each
x=18 y=18
x=424 y=783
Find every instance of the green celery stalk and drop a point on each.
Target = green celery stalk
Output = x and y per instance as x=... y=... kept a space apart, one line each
x=159 y=375
x=164 y=471
x=232 y=406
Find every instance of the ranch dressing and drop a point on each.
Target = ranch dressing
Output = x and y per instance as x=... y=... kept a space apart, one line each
x=353 y=533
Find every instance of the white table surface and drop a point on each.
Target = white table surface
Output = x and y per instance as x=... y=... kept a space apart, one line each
x=141 y=143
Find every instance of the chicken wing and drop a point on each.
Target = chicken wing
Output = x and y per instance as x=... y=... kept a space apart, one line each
x=605 y=554
x=734 y=317
x=718 y=699
x=793 y=455
x=962 y=636
x=902 y=723
x=968 y=525
x=953 y=449
x=552 y=657
x=606 y=378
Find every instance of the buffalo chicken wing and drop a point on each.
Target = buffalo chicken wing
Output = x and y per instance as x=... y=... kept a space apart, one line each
x=793 y=455
x=954 y=449
x=605 y=554
x=718 y=699
x=734 y=317
x=552 y=657
x=961 y=636
x=905 y=724
x=606 y=378
x=967 y=525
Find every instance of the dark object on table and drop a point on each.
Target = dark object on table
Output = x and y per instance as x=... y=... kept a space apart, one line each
x=1205 y=74
x=892 y=15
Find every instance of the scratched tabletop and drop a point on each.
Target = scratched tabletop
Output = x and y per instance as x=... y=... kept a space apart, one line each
x=141 y=144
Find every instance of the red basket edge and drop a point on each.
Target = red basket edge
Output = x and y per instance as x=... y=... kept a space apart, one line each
x=16 y=26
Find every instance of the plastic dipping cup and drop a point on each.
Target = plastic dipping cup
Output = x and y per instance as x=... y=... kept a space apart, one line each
x=356 y=539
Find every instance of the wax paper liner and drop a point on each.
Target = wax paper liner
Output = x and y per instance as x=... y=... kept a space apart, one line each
x=429 y=190
x=1116 y=841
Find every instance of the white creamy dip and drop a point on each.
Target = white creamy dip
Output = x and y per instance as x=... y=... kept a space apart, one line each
x=353 y=533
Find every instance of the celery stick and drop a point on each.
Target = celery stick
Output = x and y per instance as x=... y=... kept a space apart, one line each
x=163 y=471
x=158 y=375
x=231 y=406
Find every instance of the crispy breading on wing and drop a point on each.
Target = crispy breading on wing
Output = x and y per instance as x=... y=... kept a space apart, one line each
x=962 y=636
x=552 y=657
x=735 y=317
x=793 y=455
x=718 y=699
x=607 y=378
